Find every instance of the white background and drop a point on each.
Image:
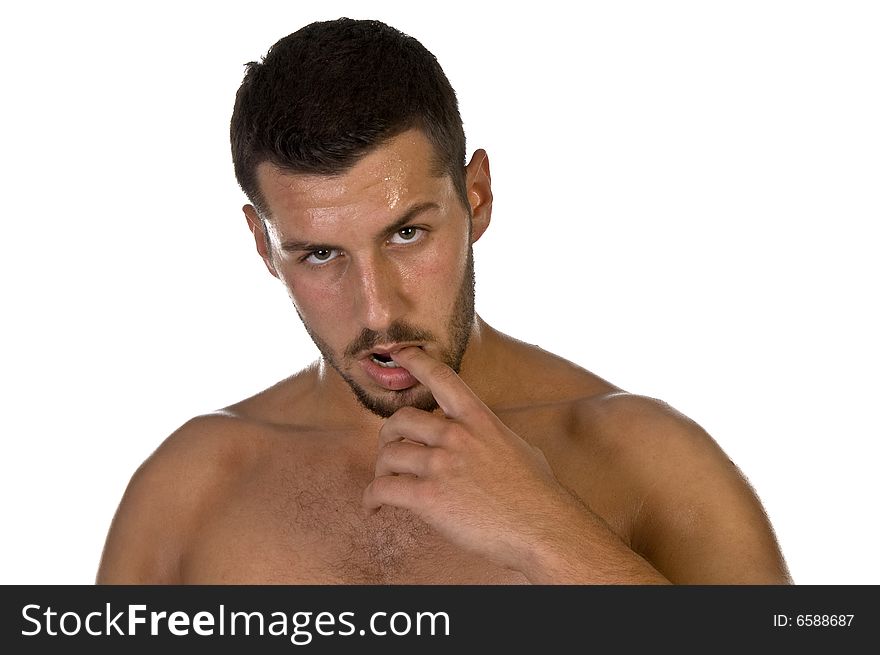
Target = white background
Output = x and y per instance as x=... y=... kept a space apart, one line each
x=686 y=195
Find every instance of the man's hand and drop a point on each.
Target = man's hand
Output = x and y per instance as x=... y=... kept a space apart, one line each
x=466 y=473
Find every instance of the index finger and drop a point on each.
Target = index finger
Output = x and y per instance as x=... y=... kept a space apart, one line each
x=450 y=391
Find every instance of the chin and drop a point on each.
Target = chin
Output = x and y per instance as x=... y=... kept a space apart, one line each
x=388 y=402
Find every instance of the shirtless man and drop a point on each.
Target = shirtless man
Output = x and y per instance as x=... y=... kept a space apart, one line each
x=423 y=446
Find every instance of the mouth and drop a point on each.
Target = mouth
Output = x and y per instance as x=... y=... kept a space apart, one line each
x=384 y=361
x=384 y=371
x=382 y=356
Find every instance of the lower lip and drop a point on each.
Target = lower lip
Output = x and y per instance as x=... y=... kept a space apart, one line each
x=393 y=379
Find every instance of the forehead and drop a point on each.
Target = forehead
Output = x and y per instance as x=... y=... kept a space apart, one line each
x=399 y=172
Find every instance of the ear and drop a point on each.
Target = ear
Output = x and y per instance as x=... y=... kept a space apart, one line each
x=479 y=193
x=258 y=229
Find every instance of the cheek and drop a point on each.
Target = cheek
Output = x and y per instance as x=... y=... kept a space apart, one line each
x=318 y=303
x=438 y=274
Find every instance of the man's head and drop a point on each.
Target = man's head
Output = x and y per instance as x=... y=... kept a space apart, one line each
x=348 y=142
x=329 y=93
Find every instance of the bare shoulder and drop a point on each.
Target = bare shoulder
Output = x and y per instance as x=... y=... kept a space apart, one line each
x=699 y=521
x=193 y=467
x=660 y=482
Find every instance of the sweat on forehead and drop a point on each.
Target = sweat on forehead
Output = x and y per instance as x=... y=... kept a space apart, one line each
x=401 y=169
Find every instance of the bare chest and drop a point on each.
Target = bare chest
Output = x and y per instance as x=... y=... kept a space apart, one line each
x=296 y=518
x=299 y=525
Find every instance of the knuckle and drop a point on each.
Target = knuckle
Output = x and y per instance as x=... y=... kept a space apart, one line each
x=369 y=497
x=450 y=433
x=456 y=463
x=427 y=492
x=384 y=488
x=437 y=460
x=458 y=435
x=382 y=457
x=386 y=433
x=391 y=454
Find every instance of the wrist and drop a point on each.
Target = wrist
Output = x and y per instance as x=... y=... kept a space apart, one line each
x=580 y=548
x=554 y=553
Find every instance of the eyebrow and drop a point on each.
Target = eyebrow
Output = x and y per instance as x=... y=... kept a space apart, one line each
x=292 y=245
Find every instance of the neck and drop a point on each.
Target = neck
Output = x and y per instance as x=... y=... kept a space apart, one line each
x=481 y=367
x=479 y=358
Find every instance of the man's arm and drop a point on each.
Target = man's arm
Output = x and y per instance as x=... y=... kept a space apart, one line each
x=154 y=520
x=700 y=521
x=486 y=489
x=136 y=550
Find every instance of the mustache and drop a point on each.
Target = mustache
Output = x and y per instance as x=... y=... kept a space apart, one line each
x=397 y=332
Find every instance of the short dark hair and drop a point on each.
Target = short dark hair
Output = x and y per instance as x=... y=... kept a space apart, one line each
x=327 y=94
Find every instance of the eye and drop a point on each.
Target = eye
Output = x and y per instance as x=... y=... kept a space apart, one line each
x=407 y=235
x=321 y=256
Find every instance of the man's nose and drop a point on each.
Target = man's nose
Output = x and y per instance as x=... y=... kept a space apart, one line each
x=379 y=297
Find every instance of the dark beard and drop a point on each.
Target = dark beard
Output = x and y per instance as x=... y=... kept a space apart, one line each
x=459 y=330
